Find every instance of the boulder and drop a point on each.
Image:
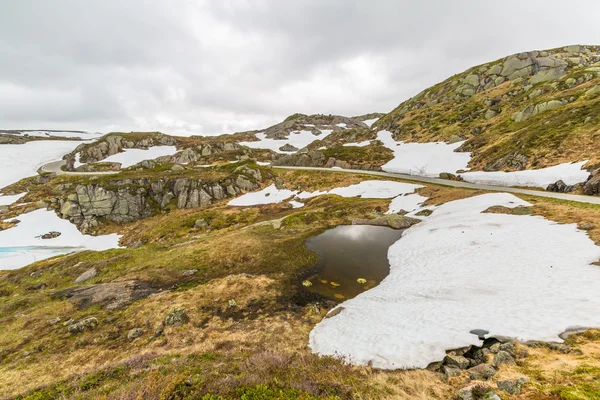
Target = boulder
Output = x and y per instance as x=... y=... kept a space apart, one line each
x=593 y=92
x=288 y=147
x=190 y=272
x=481 y=372
x=450 y=371
x=87 y=275
x=176 y=317
x=135 y=333
x=85 y=324
x=512 y=387
x=503 y=357
x=489 y=114
x=560 y=187
x=200 y=223
x=110 y=296
x=459 y=362
x=51 y=235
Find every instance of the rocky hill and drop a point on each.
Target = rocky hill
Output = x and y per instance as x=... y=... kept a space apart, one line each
x=525 y=111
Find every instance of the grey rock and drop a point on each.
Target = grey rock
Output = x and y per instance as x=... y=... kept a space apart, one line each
x=177 y=167
x=110 y=296
x=512 y=386
x=560 y=187
x=593 y=91
x=288 y=147
x=51 y=235
x=456 y=361
x=481 y=372
x=85 y=324
x=135 y=333
x=190 y=272
x=450 y=371
x=176 y=317
x=489 y=114
x=503 y=357
x=200 y=223
x=87 y=275
x=535 y=109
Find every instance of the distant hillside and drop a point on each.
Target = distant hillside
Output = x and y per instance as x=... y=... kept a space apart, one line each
x=528 y=110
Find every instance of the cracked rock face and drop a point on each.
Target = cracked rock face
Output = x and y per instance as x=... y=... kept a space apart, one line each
x=140 y=198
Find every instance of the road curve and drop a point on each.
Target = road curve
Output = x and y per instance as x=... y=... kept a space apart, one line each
x=460 y=184
x=55 y=167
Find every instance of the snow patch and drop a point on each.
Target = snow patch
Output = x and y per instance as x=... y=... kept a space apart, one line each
x=569 y=173
x=423 y=159
x=365 y=189
x=22 y=244
x=461 y=269
x=131 y=157
x=299 y=140
x=8 y=200
x=370 y=122
x=269 y=195
x=409 y=202
x=359 y=144
x=18 y=161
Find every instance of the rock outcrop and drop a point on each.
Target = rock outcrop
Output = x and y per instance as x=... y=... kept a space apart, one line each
x=314 y=123
x=115 y=143
x=592 y=186
x=129 y=200
x=197 y=153
x=519 y=112
x=109 y=296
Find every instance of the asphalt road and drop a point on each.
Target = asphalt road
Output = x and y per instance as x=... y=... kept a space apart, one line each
x=55 y=167
x=459 y=184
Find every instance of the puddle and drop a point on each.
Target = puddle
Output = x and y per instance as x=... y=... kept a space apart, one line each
x=352 y=259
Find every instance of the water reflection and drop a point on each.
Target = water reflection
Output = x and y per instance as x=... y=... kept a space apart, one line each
x=352 y=259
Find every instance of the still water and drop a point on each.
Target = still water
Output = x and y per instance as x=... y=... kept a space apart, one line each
x=352 y=259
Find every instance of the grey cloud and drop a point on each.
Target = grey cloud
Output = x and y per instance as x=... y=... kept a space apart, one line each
x=220 y=66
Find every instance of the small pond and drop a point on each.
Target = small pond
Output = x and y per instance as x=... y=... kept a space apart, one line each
x=352 y=259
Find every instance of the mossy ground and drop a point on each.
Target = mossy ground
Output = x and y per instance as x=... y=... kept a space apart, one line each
x=253 y=347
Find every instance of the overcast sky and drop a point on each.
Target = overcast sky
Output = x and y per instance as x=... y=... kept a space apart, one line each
x=222 y=66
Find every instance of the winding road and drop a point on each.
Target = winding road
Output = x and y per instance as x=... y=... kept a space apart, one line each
x=55 y=167
x=460 y=184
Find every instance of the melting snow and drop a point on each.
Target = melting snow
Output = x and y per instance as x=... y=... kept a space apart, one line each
x=365 y=189
x=461 y=269
x=370 y=122
x=569 y=173
x=359 y=144
x=423 y=159
x=299 y=140
x=22 y=244
x=409 y=202
x=268 y=195
x=60 y=134
x=18 y=161
x=131 y=157
x=8 y=200
x=341 y=125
